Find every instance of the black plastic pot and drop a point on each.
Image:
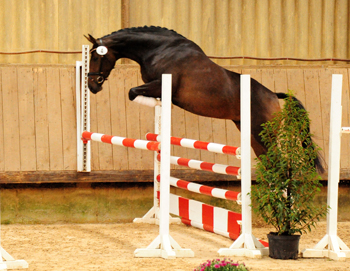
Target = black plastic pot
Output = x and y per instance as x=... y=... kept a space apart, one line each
x=283 y=246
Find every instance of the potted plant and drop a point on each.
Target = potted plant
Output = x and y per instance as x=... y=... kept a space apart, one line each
x=286 y=180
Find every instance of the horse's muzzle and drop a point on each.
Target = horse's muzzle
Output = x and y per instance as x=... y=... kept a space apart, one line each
x=96 y=79
x=94 y=86
x=99 y=79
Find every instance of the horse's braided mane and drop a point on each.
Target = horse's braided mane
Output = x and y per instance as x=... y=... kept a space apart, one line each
x=147 y=29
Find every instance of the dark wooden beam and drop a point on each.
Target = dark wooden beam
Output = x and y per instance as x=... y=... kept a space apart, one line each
x=37 y=177
x=131 y=176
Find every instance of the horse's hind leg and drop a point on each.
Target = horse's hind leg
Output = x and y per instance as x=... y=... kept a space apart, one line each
x=256 y=144
x=151 y=89
x=257 y=147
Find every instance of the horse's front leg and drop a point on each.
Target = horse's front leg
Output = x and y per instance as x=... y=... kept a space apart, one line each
x=151 y=89
x=146 y=94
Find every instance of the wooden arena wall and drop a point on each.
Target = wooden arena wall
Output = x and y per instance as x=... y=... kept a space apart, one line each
x=264 y=28
x=38 y=122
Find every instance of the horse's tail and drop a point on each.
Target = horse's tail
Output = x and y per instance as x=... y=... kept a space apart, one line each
x=318 y=160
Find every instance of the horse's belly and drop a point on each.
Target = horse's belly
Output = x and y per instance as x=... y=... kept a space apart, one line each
x=210 y=108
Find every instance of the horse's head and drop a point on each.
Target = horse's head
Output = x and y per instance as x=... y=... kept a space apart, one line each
x=102 y=62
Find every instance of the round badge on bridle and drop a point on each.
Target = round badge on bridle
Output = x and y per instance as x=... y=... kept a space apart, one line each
x=101 y=50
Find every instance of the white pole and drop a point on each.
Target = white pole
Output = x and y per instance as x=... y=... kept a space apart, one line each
x=165 y=165
x=78 y=66
x=246 y=244
x=334 y=153
x=164 y=245
x=331 y=245
x=85 y=109
x=246 y=157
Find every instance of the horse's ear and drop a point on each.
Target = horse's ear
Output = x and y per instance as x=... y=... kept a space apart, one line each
x=91 y=39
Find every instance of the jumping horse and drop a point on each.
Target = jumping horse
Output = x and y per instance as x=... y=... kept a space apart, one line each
x=199 y=85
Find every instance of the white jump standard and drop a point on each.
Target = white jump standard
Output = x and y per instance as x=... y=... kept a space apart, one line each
x=164 y=245
x=246 y=244
x=83 y=110
x=8 y=262
x=331 y=245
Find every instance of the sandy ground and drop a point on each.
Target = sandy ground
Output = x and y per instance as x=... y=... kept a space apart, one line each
x=111 y=247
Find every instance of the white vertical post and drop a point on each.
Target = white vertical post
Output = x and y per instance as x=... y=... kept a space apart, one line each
x=165 y=165
x=83 y=111
x=334 y=153
x=331 y=245
x=164 y=245
x=246 y=157
x=246 y=244
x=80 y=144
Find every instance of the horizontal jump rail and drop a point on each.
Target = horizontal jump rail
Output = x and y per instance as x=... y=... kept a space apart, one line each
x=121 y=141
x=200 y=165
x=207 y=217
x=206 y=227
x=196 y=144
x=204 y=189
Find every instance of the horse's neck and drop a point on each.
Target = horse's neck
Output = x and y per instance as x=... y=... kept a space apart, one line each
x=135 y=48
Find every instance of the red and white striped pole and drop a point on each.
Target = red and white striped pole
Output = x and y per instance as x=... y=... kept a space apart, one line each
x=196 y=164
x=121 y=141
x=206 y=217
x=196 y=144
x=204 y=189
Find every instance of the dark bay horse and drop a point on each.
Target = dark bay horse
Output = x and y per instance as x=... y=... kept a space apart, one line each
x=199 y=85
